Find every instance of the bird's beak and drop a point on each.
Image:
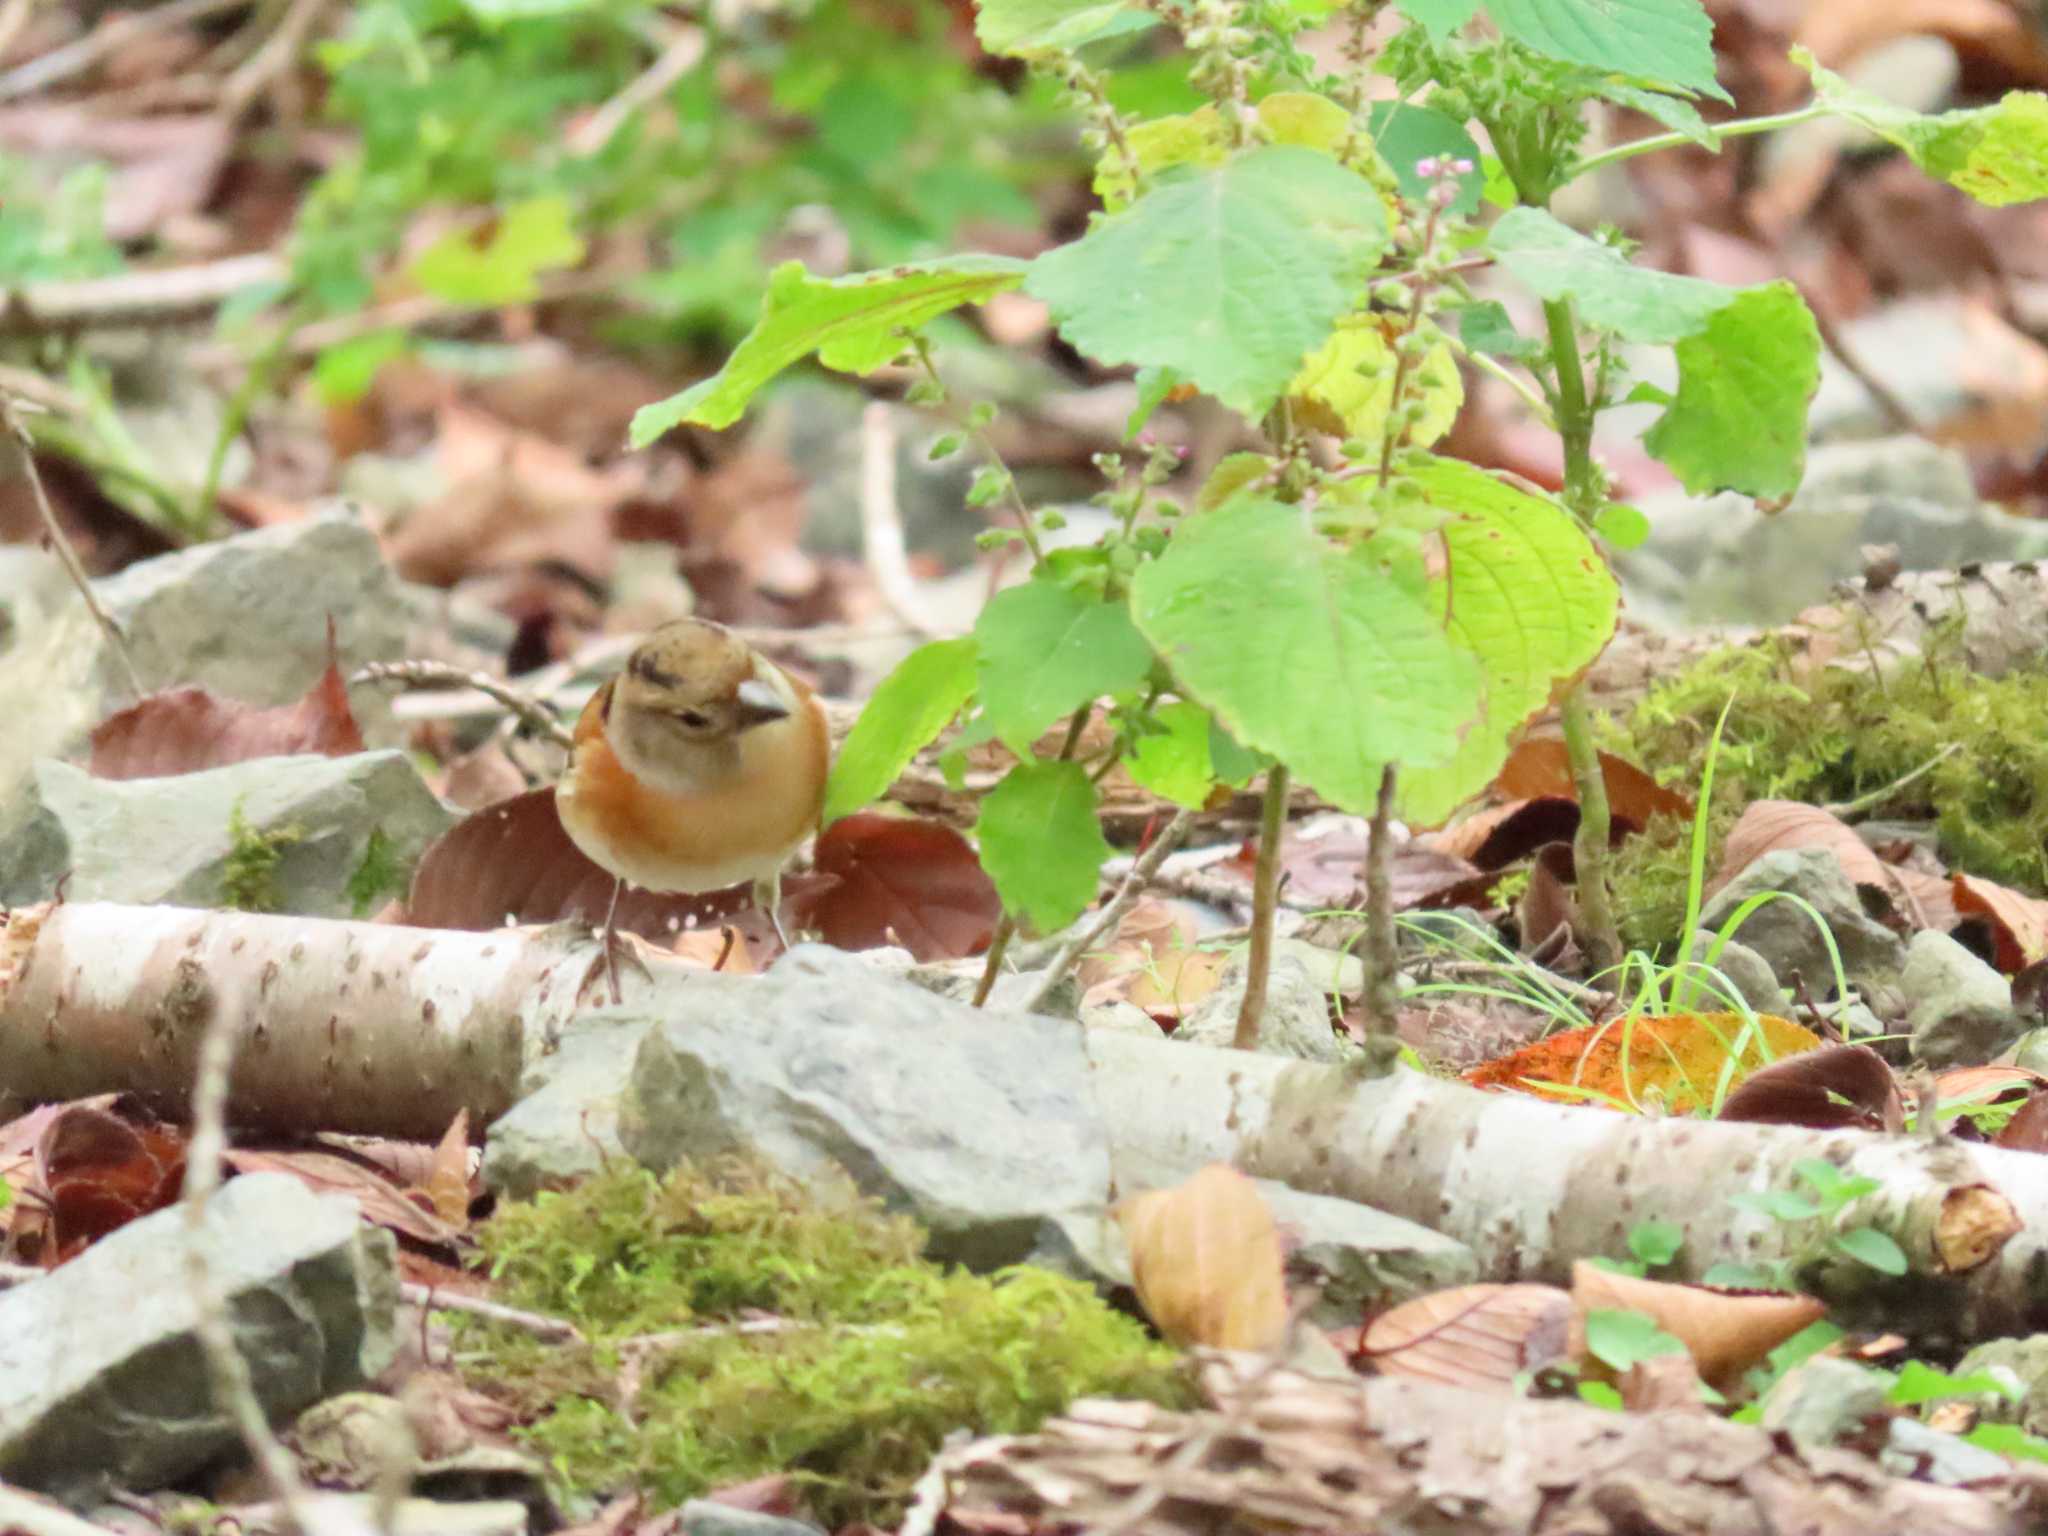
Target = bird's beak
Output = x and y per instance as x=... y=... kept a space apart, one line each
x=759 y=704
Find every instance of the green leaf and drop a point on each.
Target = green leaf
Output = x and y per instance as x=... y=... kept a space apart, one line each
x=1154 y=385
x=1352 y=376
x=1314 y=654
x=1997 y=154
x=855 y=324
x=1030 y=28
x=1622 y=525
x=1404 y=134
x=1777 y=1204
x=1867 y=1245
x=1656 y=1243
x=1600 y=1394
x=2009 y=1440
x=1920 y=1382
x=1439 y=18
x=1531 y=600
x=1738 y=421
x=1670 y=42
x=909 y=709
x=1674 y=112
x=1610 y=291
x=1486 y=327
x=1230 y=276
x=1233 y=472
x=529 y=238
x=1619 y=1339
x=1047 y=649
x=1174 y=763
x=1740 y=1277
x=1041 y=843
x=344 y=372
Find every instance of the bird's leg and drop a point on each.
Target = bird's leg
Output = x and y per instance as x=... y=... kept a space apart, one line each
x=768 y=897
x=611 y=942
x=614 y=942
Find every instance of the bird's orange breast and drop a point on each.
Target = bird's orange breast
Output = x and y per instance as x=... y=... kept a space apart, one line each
x=745 y=828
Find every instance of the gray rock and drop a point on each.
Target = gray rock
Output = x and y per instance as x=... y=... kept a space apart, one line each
x=1126 y=1017
x=1700 y=562
x=1746 y=971
x=102 y=1382
x=2023 y=1363
x=1787 y=938
x=168 y=840
x=1959 y=1009
x=245 y=616
x=958 y=980
x=566 y=1123
x=708 y=1517
x=980 y=1127
x=1362 y=1258
x=1917 y=1450
x=1826 y=1400
x=1296 y=1021
x=2031 y=1051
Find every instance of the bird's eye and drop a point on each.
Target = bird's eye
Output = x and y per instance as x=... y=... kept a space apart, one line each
x=696 y=719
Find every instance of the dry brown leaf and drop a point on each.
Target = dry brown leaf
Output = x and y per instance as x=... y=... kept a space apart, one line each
x=1663 y=1381
x=1834 y=1087
x=381 y=1202
x=1539 y=768
x=448 y=1185
x=1975 y=1224
x=1725 y=1334
x=1152 y=963
x=1477 y=1335
x=2027 y=1131
x=2019 y=923
x=1206 y=1261
x=100 y=1164
x=1501 y=835
x=900 y=880
x=1766 y=826
x=184 y=730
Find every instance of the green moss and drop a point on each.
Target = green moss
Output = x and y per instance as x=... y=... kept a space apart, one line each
x=248 y=878
x=877 y=1356
x=1832 y=736
x=378 y=874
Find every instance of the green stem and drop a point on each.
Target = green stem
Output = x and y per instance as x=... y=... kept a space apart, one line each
x=1589 y=846
x=1265 y=907
x=1574 y=411
x=1740 y=128
x=1382 y=944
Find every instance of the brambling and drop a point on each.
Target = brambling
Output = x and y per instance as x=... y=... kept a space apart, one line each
x=700 y=766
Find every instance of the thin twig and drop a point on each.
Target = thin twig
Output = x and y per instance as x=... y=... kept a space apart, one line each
x=1863 y=802
x=1889 y=404
x=551 y=1330
x=881 y=522
x=272 y=59
x=992 y=967
x=233 y=1391
x=75 y=58
x=10 y=416
x=135 y=298
x=675 y=61
x=439 y=674
x=1140 y=876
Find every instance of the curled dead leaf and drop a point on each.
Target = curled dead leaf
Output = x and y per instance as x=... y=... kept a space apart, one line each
x=1836 y=1086
x=1724 y=1333
x=1975 y=1223
x=1206 y=1260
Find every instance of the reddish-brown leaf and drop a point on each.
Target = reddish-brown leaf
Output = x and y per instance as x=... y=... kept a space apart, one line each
x=1329 y=867
x=1539 y=767
x=1836 y=1086
x=1725 y=1333
x=2019 y=924
x=100 y=1166
x=182 y=730
x=2027 y=1131
x=900 y=881
x=513 y=862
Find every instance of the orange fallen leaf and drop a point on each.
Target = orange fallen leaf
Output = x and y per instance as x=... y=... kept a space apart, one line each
x=1725 y=1332
x=2019 y=923
x=1206 y=1261
x=1476 y=1335
x=1676 y=1059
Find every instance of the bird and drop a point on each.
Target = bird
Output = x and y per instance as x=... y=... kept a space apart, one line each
x=701 y=765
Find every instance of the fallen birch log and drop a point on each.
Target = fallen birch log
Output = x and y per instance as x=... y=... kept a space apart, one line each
x=357 y=1027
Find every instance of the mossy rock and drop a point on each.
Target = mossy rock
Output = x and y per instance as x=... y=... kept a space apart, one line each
x=874 y=1357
